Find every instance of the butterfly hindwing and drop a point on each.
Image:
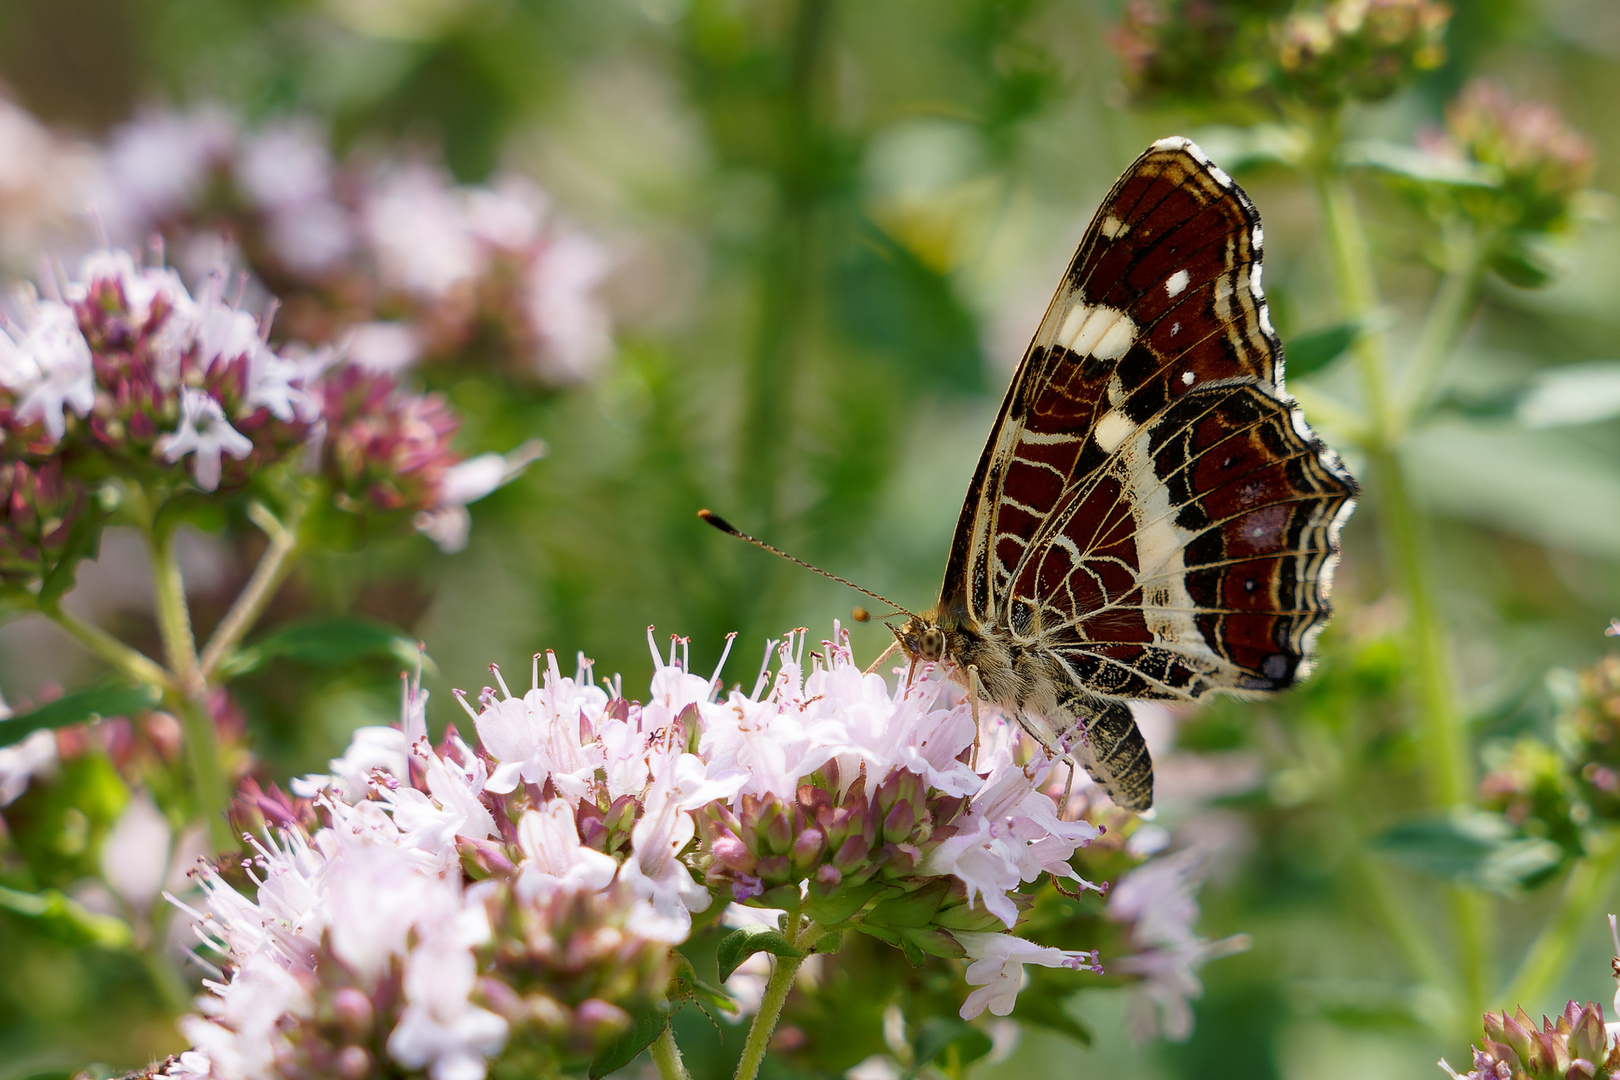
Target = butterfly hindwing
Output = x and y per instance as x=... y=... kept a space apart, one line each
x=1151 y=507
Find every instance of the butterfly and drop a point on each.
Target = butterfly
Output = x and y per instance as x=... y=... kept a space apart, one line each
x=1151 y=519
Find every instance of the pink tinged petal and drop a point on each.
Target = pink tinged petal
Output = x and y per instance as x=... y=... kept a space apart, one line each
x=557 y=861
x=998 y=969
x=135 y=854
x=205 y=432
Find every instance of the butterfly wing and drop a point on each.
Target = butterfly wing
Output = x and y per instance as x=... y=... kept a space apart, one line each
x=1151 y=506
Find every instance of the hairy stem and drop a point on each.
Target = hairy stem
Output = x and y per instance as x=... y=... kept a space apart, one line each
x=783 y=968
x=261 y=587
x=1590 y=883
x=667 y=1057
x=210 y=786
x=130 y=662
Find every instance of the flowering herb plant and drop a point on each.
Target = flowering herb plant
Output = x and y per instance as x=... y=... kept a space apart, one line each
x=509 y=905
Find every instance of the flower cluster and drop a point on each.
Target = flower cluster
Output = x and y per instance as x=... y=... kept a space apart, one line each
x=1556 y=789
x=1576 y=1046
x=454 y=905
x=391 y=257
x=1157 y=904
x=1359 y=49
x=1320 y=54
x=1541 y=164
x=122 y=372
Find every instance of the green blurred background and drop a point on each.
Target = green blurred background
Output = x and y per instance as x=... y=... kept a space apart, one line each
x=834 y=227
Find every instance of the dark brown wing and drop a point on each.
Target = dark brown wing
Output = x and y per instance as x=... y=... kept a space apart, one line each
x=1151 y=506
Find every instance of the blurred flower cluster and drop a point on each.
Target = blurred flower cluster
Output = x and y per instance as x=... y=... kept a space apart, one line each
x=1559 y=788
x=382 y=252
x=118 y=379
x=452 y=906
x=387 y=254
x=1319 y=54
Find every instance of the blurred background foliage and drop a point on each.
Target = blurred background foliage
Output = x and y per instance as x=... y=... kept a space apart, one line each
x=834 y=226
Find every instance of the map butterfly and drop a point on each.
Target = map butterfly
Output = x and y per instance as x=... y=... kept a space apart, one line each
x=1151 y=518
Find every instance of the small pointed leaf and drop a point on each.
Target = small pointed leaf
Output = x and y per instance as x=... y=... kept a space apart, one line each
x=745 y=941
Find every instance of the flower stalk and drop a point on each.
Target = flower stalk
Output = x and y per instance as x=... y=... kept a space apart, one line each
x=667 y=1057
x=783 y=969
x=190 y=691
x=130 y=662
x=272 y=570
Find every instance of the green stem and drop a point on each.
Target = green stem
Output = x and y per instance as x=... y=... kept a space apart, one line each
x=1439 y=718
x=261 y=587
x=1590 y=883
x=190 y=696
x=131 y=662
x=1449 y=312
x=667 y=1056
x=783 y=968
x=1358 y=294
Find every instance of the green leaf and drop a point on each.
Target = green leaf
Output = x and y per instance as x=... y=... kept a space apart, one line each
x=1523 y=262
x=329 y=642
x=1240 y=148
x=745 y=941
x=111 y=699
x=66 y=920
x=843 y=904
x=939 y=1033
x=647 y=1026
x=1410 y=163
x=1046 y=1010
x=912 y=909
x=1481 y=849
x=1571 y=394
x=1310 y=353
x=84 y=541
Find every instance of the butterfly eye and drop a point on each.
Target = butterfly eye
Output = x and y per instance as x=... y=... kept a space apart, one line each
x=932 y=645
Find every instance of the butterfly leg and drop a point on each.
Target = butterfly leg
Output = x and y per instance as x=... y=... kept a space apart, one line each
x=884 y=655
x=1068 y=787
x=973 y=699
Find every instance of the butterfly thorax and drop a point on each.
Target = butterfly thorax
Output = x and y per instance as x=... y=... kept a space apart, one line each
x=1017 y=675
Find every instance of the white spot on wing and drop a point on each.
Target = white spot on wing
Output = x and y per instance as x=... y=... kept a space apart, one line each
x=1176 y=284
x=1100 y=331
x=1112 y=429
x=1188 y=377
x=1112 y=227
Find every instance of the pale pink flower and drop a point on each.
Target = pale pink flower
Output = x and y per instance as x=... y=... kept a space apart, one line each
x=205 y=433
x=418 y=232
x=135 y=853
x=997 y=969
x=439 y=1027
x=665 y=891
x=447 y=522
x=46 y=363
x=556 y=860
x=1158 y=901
x=543 y=735
x=22 y=761
x=568 y=317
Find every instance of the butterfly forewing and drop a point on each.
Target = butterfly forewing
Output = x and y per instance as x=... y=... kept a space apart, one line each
x=1151 y=509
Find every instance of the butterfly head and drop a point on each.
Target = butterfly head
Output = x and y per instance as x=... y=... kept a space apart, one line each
x=921 y=637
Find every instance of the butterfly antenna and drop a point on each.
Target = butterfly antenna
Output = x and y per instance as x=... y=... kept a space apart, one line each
x=731 y=530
